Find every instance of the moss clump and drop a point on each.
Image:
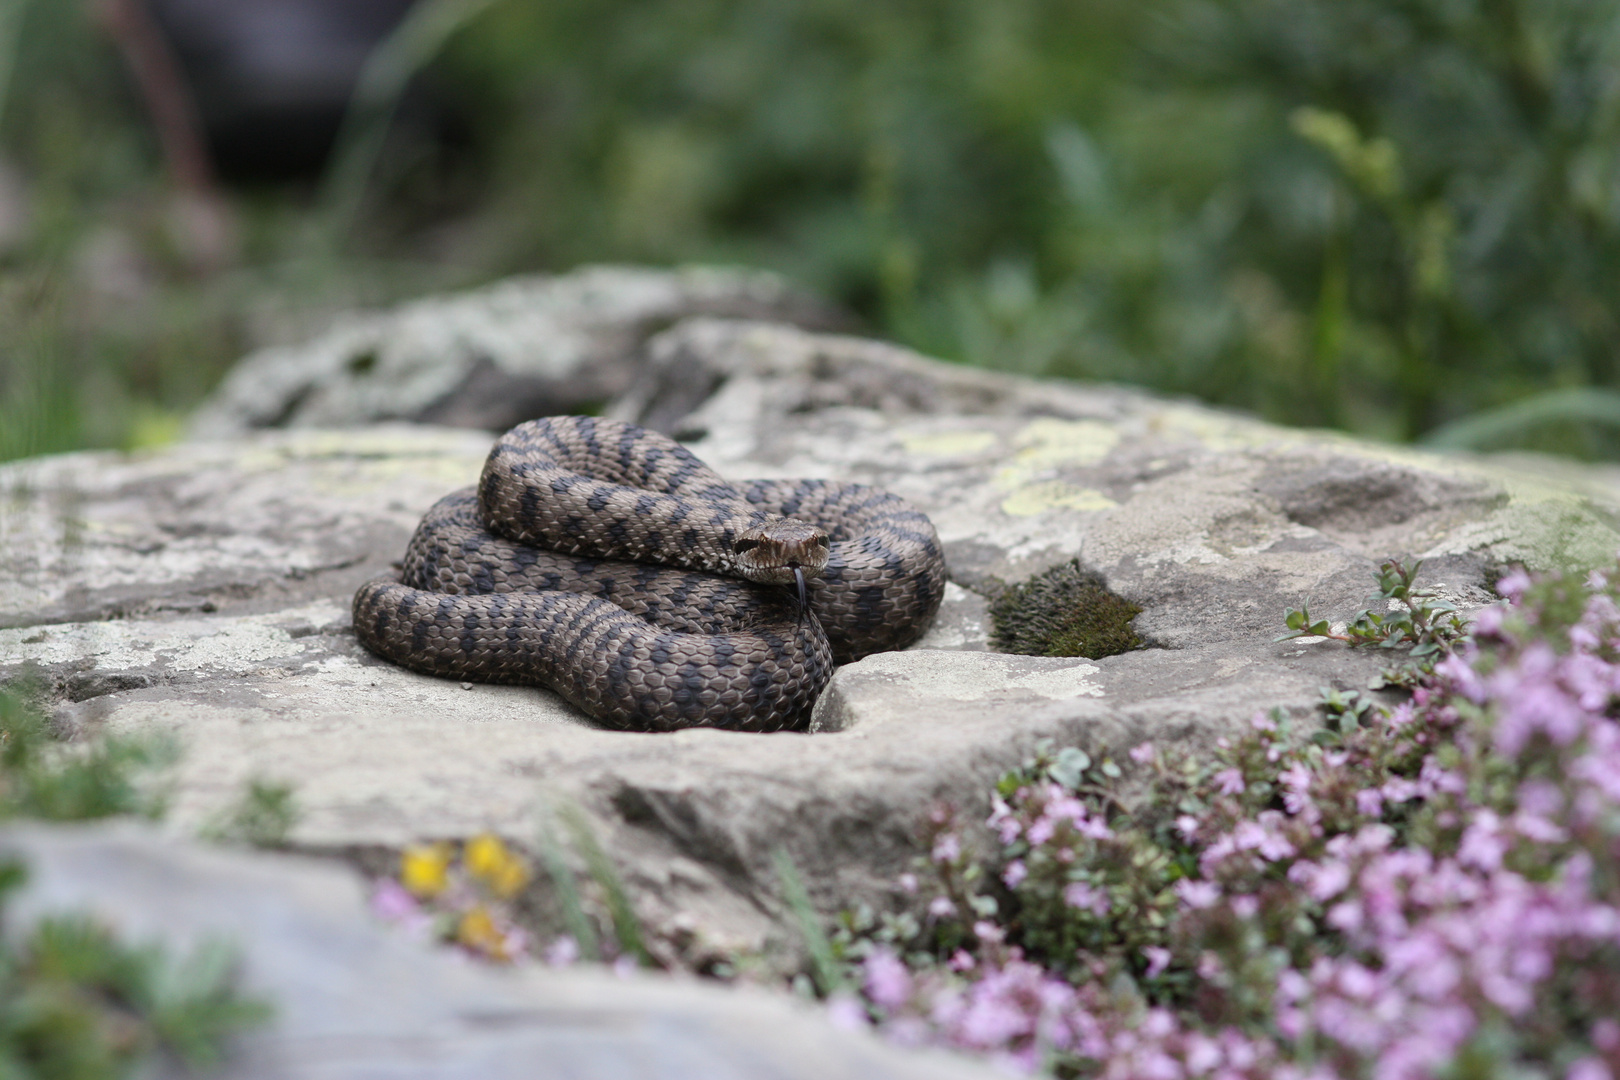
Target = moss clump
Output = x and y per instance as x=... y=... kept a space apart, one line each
x=1063 y=612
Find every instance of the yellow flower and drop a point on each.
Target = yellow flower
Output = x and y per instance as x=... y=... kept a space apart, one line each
x=493 y=863
x=478 y=932
x=424 y=869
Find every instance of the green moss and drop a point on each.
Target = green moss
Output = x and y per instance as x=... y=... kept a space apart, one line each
x=1065 y=611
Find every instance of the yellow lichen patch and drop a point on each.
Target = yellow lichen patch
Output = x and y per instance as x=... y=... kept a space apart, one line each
x=948 y=443
x=1219 y=432
x=1072 y=442
x=491 y=862
x=344 y=477
x=1048 y=444
x=378 y=442
x=424 y=869
x=1037 y=498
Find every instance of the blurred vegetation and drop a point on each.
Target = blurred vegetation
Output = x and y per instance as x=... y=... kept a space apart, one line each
x=76 y=1002
x=43 y=778
x=1394 y=217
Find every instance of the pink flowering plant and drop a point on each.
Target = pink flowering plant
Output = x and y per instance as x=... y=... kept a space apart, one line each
x=1423 y=887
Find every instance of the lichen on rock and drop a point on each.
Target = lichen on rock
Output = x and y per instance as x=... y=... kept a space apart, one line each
x=1065 y=611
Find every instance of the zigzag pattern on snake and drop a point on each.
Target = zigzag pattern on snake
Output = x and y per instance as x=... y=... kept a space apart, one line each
x=607 y=562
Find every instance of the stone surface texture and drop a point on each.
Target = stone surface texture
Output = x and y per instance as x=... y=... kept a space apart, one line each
x=492 y=357
x=353 y=999
x=203 y=590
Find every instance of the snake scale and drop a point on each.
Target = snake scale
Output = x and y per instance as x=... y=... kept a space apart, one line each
x=607 y=562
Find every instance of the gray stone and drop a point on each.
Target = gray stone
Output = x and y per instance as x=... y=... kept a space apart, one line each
x=352 y=998
x=203 y=590
x=493 y=357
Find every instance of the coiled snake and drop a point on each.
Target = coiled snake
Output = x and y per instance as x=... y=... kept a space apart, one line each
x=607 y=562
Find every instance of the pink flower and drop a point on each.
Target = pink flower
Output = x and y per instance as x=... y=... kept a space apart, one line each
x=1230 y=781
x=1080 y=895
x=1014 y=874
x=1198 y=894
x=391 y=902
x=1203 y=1054
x=1514 y=585
x=1398 y=789
x=1482 y=844
x=1002 y=820
x=1488 y=621
x=1588 y=1068
x=1297 y=777
x=562 y=951
x=1142 y=753
x=845 y=1013
x=988 y=932
x=1323 y=882
x=1040 y=832
x=887 y=982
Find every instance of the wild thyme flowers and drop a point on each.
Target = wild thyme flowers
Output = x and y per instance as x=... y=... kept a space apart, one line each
x=1431 y=889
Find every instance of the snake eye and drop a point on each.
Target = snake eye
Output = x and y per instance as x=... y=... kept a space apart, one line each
x=821 y=541
x=745 y=544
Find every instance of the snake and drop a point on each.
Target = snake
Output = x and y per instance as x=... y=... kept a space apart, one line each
x=607 y=562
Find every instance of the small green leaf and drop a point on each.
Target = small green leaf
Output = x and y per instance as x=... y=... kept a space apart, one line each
x=1071 y=762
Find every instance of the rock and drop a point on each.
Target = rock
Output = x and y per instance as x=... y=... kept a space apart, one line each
x=352 y=998
x=203 y=590
x=493 y=357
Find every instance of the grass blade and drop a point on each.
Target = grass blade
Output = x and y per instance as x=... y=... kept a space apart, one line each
x=562 y=879
x=829 y=979
x=626 y=925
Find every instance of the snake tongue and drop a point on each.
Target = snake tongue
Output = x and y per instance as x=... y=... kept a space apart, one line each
x=798 y=576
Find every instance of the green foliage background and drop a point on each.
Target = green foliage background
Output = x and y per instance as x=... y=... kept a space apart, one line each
x=1379 y=215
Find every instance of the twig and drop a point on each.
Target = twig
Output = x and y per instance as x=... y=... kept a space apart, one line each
x=157 y=74
x=202 y=219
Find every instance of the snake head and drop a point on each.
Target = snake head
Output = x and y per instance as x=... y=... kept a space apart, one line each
x=777 y=552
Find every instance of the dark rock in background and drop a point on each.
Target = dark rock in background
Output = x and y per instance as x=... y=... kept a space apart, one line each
x=493 y=357
x=271 y=79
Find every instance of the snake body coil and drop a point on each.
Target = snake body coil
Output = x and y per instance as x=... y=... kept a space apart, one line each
x=609 y=563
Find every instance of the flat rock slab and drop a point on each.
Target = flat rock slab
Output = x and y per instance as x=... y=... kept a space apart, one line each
x=354 y=999
x=203 y=590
